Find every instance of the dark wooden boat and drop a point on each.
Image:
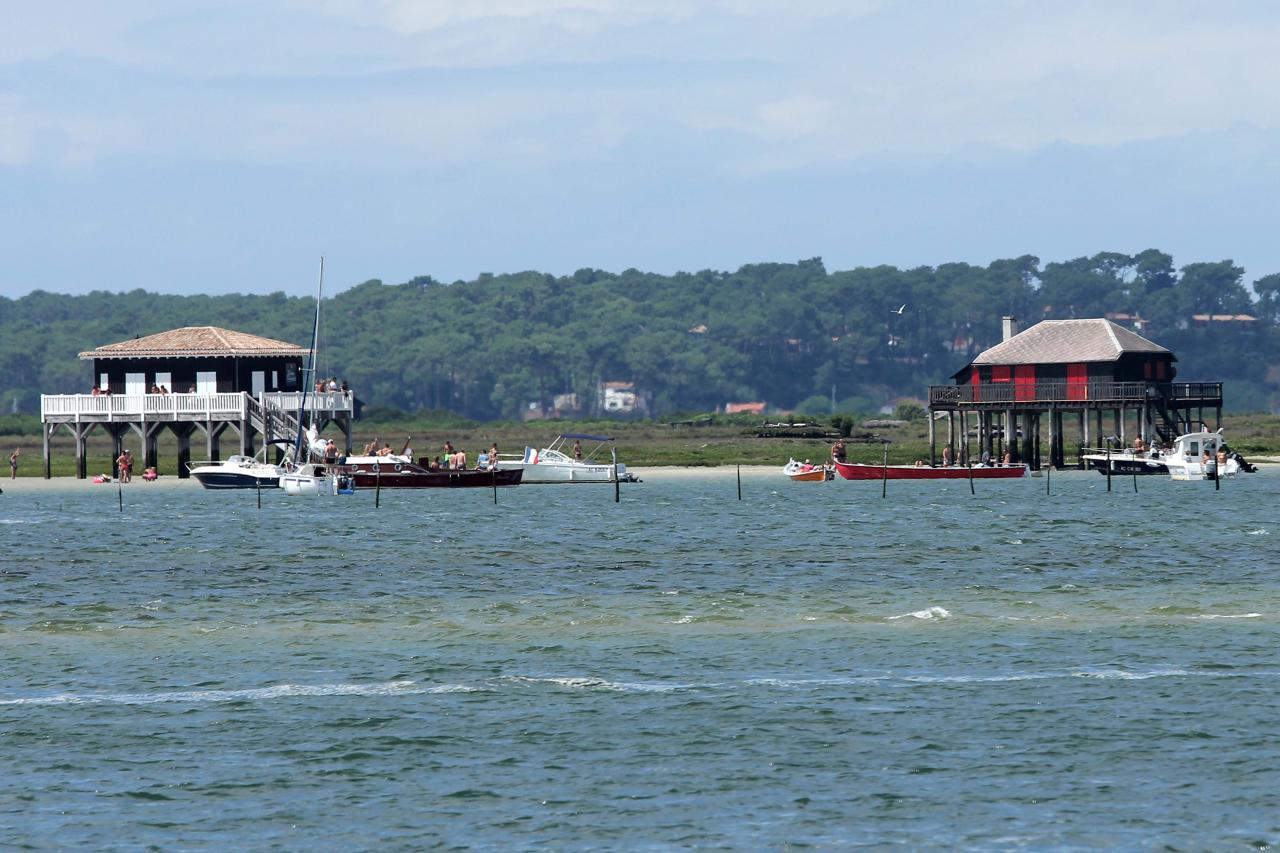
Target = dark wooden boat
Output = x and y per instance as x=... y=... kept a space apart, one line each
x=407 y=475
x=857 y=471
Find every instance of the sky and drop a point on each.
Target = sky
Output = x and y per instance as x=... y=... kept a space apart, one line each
x=212 y=146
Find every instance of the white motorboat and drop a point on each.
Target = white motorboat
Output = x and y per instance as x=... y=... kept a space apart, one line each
x=1201 y=456
x=560 y=462
x=1126 y=461
x=237 y=472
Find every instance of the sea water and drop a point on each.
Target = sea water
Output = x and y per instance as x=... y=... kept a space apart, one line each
x=810 y=665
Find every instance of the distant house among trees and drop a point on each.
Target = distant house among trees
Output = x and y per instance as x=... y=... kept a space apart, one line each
x=1203 y=320
x=619 y=398
x=1138 y=324
x=745 y=408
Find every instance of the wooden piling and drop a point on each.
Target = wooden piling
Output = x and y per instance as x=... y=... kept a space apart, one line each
x=884 y=478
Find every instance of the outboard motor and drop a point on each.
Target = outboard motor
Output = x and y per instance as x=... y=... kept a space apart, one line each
x=1245 y=465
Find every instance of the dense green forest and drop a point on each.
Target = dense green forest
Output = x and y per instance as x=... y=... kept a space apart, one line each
x=792 y=335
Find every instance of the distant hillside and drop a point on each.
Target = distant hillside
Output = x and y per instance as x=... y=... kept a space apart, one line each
x=791 y=335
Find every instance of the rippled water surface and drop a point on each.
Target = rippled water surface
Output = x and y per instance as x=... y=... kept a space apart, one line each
x=810 y=666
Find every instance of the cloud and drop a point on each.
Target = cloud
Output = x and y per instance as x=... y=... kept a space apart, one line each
x=747 y=83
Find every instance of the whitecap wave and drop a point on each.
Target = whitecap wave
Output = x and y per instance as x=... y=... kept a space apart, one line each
x=1261 y=531
x=592 y=683
x=1126 y=675
x=252 y=694
x=1227 y=616
x=841 y=681
x=927 y=613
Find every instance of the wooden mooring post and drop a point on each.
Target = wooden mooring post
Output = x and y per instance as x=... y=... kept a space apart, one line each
x=884 y=477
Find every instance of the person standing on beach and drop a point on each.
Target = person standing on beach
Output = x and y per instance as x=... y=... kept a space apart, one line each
x=13 y=463
x=123 y=463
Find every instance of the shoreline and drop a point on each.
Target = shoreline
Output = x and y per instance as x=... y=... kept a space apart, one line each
x=655 y=473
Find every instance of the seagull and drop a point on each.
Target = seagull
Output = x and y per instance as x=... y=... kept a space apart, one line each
x=900 y=310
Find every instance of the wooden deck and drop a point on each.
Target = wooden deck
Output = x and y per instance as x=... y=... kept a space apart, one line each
x=266 y=416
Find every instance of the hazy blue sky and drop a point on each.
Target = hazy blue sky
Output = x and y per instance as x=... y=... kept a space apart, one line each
x=223 y=145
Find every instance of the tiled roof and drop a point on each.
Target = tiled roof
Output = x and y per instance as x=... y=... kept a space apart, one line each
x=1067 y=342
x=196 y=341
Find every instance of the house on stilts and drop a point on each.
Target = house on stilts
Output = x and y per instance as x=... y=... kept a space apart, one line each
x=216 y=380
x=1061 y=370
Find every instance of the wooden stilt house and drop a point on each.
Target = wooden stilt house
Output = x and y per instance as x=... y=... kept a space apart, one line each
x=1083 y=369
x=196 y=379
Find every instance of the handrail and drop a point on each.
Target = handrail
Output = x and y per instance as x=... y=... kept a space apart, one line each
x=224 y=406
x=1059 y=391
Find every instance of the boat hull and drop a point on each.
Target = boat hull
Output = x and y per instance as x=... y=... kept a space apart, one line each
x=1126 y=465
x=858 y=471
x=231 y=480
x=412 y=476
x=309 y=486
x=557 y=472
x=817 y=475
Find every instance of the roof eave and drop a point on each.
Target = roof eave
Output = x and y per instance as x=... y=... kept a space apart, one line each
x=94 y=354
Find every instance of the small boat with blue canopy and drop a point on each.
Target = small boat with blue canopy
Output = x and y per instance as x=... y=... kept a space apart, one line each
x=566 y=460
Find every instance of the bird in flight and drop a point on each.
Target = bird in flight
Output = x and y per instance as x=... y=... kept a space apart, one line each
x=900 y=310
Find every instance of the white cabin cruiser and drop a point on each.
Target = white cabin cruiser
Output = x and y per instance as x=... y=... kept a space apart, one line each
x=1199 y=456
x=559 y=462
x=236 y=472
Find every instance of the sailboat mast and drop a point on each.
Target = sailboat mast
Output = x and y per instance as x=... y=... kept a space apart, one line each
x=308 y=375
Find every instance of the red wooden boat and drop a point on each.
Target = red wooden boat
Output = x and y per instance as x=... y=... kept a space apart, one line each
x=858 y=471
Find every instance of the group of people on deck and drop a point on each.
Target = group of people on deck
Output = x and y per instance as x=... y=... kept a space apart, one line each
x=451 y=459
x=455 y=459
x=331 y=384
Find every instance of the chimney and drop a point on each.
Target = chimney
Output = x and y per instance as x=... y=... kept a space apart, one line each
x=1009 y=325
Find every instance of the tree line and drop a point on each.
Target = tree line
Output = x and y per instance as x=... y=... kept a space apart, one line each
x=792 y=335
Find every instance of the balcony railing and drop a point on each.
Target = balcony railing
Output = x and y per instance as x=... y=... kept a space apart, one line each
x=1003 y=394
x=180 y=407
